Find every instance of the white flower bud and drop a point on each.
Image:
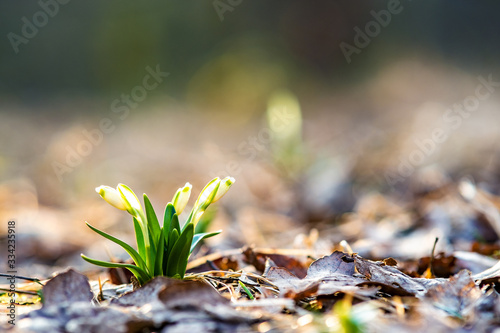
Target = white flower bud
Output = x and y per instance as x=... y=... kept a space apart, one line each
x=112 y=196
x=207 y=194
x=132 y=204
x=181 y=198
x=224 y=186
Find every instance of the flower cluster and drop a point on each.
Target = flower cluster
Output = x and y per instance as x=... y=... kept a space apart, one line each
x=161 y=250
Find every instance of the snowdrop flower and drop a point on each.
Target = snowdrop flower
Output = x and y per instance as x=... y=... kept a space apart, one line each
x=112 y=196
x=181 y=198
x=211 y=193
x=224 y=186
x=122 y=198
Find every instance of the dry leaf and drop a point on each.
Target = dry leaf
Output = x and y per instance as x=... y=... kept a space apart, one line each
x=456 y=295
x=325 y=276
x=67 y=287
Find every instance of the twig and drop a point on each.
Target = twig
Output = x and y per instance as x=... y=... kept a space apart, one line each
x=431 y=261
x=20 y=291
x=21 y=277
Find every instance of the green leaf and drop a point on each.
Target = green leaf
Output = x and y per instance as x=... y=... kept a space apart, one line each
x=159 y=255
x=154 y=232
x=199 y=237
x=153 y=224
x=172 y=239
x=130 y=250
x=167 y=217
x=165 y=260
x=177 y=259
x=139 y=238
x=242 y=285
x=183 y=260
x=151 y=253
x=167 y=222
x=175 y=224
x=139 y=273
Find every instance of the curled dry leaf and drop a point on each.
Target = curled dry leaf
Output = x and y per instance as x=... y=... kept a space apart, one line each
x=342 y=272
x=291 y=286
x=391 y=279
x=325 y=276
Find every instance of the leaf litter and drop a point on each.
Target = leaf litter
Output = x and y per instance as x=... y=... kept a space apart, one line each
x=215 y=301
x=320 y=284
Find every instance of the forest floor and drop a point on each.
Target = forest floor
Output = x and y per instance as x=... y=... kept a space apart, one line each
x=371 y=222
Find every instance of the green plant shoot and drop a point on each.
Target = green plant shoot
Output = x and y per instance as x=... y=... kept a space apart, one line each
x=161 y=250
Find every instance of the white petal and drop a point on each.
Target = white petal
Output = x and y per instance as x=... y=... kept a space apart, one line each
x=181 y=198
x=207 y=192
x=132 y=203
x=225 y=184
x=112 y=196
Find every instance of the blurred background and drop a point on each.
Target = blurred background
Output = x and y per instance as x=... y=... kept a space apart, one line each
x=326 y=113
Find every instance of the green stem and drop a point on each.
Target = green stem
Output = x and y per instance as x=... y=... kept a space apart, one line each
x=150 y=257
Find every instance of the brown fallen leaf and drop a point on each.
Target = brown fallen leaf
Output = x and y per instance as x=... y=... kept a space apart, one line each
x=163 y=304
x=338 y=263
x=258 y=260
x=145 y=294
x=378 y=273
x=446 y=265
x=67 y=287
x=456 y=295
x=485 y=249
x=68 y=308
x=295 y=260
x=486 y=312
x=119 y=275
x=164 y=293
x=190 y=294
x=386 y=289
x=325 y=276
x=291 y=286
x=442 y=265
